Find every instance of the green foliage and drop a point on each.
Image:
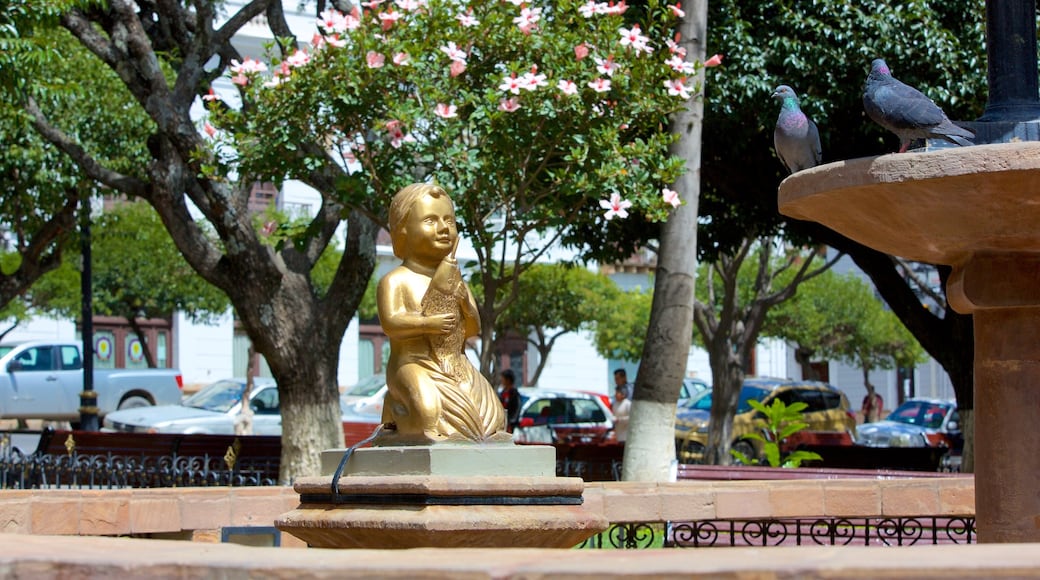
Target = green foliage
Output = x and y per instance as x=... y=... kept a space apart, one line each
x=839 y=317
x=137 y=272
x=560 y=296
x=823 y=49
x=621 y=326
x=546 y=164
x=780 y=421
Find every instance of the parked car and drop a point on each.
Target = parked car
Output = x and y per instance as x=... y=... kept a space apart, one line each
x=366 y=397
x=44 y=380
x=691 y=389
x=211 y=410
x=918 y=422
x=563 y=417
x=829 y=418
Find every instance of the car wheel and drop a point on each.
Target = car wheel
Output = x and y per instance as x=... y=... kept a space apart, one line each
x=134 y=403
x=747 y=449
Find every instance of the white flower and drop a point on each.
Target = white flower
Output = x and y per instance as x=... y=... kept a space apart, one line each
x=600 y=85
x=676 y=88
x=615 y=207
x=567 y=87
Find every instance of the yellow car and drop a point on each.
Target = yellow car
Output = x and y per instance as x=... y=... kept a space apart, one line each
x=828 y=416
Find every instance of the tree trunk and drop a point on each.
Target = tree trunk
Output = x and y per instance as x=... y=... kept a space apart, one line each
x=649 y=447
x=726 y=387
x=803 y=356
x=149 y=358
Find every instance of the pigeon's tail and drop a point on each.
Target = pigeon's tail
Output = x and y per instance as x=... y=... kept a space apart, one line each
x=954 y=133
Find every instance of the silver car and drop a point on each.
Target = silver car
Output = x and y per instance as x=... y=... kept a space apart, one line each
x=212 y=410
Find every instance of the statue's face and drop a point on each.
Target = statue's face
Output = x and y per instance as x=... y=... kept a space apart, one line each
x=430 y=230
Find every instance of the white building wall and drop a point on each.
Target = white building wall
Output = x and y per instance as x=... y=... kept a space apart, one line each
x=771 y=359
x=41 y=329
x=574 y=365
x=204 y=353
x=348 y=371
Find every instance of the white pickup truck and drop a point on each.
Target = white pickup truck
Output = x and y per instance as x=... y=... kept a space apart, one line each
x=43 y=380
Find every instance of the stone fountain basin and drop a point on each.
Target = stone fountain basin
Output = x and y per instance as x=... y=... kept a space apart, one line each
x=939 y=207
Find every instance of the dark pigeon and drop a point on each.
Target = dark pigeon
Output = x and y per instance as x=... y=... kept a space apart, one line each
x=796 y=138
x=907 y=112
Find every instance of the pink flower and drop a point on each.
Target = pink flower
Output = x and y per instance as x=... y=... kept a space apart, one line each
x=454 y=52
x=608 y=66
x=531 y=80
x=298 y=59
x=269 y=228
x=332 y=21
x=677 y=9
x=446 y=111
x=680 y=66
x=615 y=9
x=335 y=40
x=590 y=9
x=528 y=18
x=457 y=67
x=240 y=79
x=210 y=96
x=374 y=59
x=715 y=60
x=409 y=5
x=567 y=87
x=634 y=39
x=402 y=59
x=674 y=48
x=209 y=129
x=511 y=84
x=581 y=51
x=248 y=66
x=509 y=105
x=615 y=207
x=371 y=4
x=600 y=85
x=676 y=88
x=317 y=41
x=397 y=136
x=671 y=196
x=467 y=20
x=389 y=17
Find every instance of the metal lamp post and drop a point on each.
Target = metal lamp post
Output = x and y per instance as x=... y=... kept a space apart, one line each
x=88 y=410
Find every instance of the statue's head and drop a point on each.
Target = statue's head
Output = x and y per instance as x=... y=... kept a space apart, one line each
x=401 y=206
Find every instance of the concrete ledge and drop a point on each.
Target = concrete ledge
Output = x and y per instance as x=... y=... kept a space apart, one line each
x=105 y=558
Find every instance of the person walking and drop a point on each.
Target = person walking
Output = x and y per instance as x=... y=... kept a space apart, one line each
x=873 y=405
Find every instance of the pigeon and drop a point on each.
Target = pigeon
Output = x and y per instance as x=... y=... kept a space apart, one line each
x=796 y=138
x=906 y=111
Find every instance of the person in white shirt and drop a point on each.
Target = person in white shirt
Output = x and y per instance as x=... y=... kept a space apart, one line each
x=622 y=408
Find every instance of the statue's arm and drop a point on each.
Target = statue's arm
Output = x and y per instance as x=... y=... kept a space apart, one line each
x=397 y=319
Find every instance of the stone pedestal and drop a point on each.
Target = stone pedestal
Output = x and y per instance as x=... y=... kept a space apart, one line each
x=976 y=209
x=442 y=496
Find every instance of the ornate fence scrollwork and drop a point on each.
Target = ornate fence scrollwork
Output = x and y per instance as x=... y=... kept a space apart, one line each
x=907 y=531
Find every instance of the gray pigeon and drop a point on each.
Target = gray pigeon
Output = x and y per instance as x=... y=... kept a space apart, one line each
x=796 y=138
x=907 y=112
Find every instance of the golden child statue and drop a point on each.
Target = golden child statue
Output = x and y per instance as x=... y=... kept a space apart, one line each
x=434 y=393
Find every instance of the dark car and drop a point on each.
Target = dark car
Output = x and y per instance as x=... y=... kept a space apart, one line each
x=918 y=422
x=827 y=414
x=563 y=417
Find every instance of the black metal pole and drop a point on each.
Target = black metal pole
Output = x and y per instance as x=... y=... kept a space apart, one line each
x=88 y=410
x=1014 y=93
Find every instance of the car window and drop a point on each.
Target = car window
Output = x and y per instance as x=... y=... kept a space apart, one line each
x=830 y=400
x=554 y=410
x=586 y=411
x=266 y=402
x=36 y=359
x=367 y=387
x=70 y=360
x=219 y=397
x=910 y=412
x=747 y=393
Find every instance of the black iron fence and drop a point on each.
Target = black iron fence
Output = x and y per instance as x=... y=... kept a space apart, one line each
x=902 y=531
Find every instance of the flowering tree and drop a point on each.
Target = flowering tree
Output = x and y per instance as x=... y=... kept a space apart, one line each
x=551 y=115
x=529 y=114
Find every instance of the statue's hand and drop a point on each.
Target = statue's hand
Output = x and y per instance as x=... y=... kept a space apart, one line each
x=441 y=323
